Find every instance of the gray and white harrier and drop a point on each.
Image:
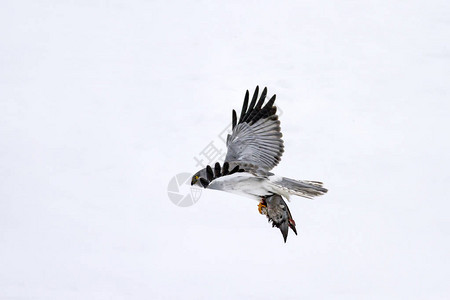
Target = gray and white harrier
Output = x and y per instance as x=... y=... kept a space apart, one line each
x=254 y=148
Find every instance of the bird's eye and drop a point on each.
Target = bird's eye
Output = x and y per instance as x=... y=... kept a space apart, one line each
x=196 y=177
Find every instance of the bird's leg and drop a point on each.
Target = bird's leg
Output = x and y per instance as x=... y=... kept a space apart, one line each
x=262 y=206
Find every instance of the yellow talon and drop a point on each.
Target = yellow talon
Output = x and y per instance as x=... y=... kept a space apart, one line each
x=260 y=206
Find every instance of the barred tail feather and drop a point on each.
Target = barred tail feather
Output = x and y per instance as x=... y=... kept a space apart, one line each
x=303 y=188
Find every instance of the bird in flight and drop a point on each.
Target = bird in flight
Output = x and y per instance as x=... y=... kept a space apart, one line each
x=255 y=147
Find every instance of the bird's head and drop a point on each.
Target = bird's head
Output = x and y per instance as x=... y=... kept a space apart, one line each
x=196 y=177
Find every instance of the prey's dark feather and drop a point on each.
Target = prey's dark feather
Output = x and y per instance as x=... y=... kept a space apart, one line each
x=278 y=213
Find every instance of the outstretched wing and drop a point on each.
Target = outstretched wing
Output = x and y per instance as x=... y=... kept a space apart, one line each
x=256 y=137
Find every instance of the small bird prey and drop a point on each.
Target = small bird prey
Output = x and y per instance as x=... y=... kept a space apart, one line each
x=254 y=148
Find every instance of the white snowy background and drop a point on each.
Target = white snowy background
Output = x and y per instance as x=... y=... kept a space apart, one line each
x=103 y=102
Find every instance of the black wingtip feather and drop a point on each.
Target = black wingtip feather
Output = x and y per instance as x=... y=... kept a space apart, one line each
x=217 y=171
x=244 y=107
x=204 y=182
x=261 y=99
x=251 y=106
x=273 y=110
x=209 y=173
x=235 y=169
x=225 y=170
x=234 y=118
x=265 y=112
x=255 y=96
x=255 y=111
x=269 y=103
